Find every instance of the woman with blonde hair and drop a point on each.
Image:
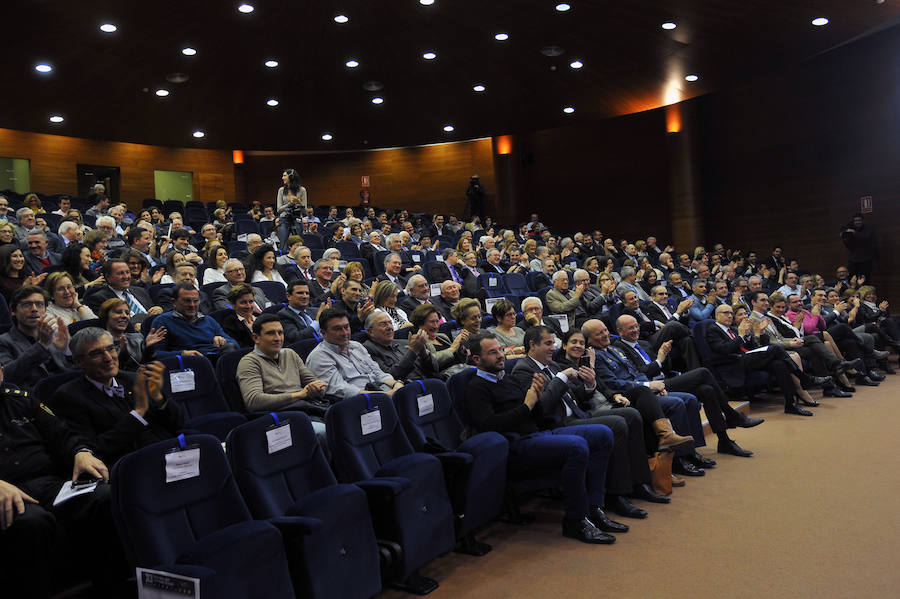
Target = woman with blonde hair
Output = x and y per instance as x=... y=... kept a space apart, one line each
x=64 y=301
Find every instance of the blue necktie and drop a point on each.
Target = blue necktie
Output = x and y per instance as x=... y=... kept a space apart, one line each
x=641 y=351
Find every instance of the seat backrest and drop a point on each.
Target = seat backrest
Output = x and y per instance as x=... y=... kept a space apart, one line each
x=226 y=374
x=421 y=421
x=312 y=241
x=83 y=324
x=44 y=389
x=493 y=283
x=206 y=397
x=457 y=386
x=273 y=482
x=303 y=347
x=699 y=334
x=358 y=456
x=348 y=249
x=510 y=364
x=273 y=290
x=517 y=284
x=158 y=520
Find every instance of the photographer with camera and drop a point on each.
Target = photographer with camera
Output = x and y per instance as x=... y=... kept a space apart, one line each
x=291 y=205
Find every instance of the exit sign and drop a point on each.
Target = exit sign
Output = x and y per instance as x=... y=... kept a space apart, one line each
x=365 y=180
x=865 y=204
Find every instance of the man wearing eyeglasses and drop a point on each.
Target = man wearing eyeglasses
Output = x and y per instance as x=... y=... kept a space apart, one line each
x=235 y=273
x=114 y=410
x=37 y=344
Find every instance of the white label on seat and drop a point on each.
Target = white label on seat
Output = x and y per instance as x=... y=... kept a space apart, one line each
x=279 y=438
x=182 y=464
x=489 y=303
x=435 y=289
x=182 y=380
x=439 y=258
x=492 y=282
x=563 y=321
x=157 y=584
x=426 y=405
x=416 y=258
x=370 y=422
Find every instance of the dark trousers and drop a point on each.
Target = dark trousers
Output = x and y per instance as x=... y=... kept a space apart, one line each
x=682 y=343
x=580 y=452
x=628 y=463
x=776 y=362
x=703 y=385
x=687 y=422
x=27 y=548
x=847 y=341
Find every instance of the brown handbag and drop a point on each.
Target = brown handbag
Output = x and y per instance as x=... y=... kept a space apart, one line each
x=661 y=472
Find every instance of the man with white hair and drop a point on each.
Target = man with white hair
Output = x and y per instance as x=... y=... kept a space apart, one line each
x=70 y=232
x=562 y=301
x=492 y=261
x=25 y=216
x=418 y=292
x=235 y=273
x=627 y=283
x=369 y=249
x=533 y=315
x=115 y=244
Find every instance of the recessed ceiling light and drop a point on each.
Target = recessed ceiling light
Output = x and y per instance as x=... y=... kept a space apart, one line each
x=56 y=119
x=246 y=8
x=271 y=63
x=43 y=68
x=162 y=93
x=691 y=77
x=352 y=63
x=272 y=102
x=188 y=51
x=669 y=25
x=341 y=19
x=448 y=128
x=576 y=64
x=429 y=56
x=819 y=21
x=377 y=100
x=426 y=2
x=108 y=28
x=562 y=7
x=327 y=137
x=479 y=88
x=568 y=110
x=501 y=37
x=199 y=134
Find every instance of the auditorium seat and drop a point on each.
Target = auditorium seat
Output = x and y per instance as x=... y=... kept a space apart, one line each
x=406 y=490
x=746 y=384
x=274 y=291
x=226 y=374
x=493 y=284
x=334 y=553
x=192 y=521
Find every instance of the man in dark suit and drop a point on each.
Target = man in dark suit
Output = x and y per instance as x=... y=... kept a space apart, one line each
x=448 y=298
x=659 y=310
x=320 y=285
x=38 y=257
x=116 y=411
x=732 y=348
x=492 y=262
x=418 y=292
x=118 y=284
x=351 y=294
x=678 y=291
x=699 y=382
x=393 y=267
x=184 y=273
x=295 y=321
x=566 y=400
x=657 y=333
x=370 y=249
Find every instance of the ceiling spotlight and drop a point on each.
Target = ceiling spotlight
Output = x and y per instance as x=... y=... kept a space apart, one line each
x=271 y=63
x=162 y=93
x=562 y=7
x=246 y=8
x=576 y=64
x=108 y=28
x=199 y=134
x=43 y=68
x=426 y=2
x=188 y=51
x=501 y=37
x=568 y=110
x=479 y=88
x=341 y=19
x=352 y=63
x=56 y=119
x=669 y=25
x=448 y=128
x=429 y=56
x=691 y=77
x=377 y=100
x=272 y=102
x=327 y=137
x=820 y=21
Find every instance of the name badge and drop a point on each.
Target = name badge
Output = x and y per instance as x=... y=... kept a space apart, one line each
x=181 y=465
x=370 y=421
x=279 y=437
x=416 y=258
x=182 y=380
x=426 y=405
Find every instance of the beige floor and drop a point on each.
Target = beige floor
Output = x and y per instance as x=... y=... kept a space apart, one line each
x=812 y=514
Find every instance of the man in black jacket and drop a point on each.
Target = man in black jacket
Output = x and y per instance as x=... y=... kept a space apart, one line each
x=295 y=321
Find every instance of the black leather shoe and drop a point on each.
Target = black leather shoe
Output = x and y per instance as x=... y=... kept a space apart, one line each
x=866 y=381
x=820 y=381
x=621 y=506
x=646 y=492
x=585 y=531
x=809 y=404
x=795 y=409
x=845 y=365
x=835 y=392
x=875 y=376
x=880 y=354
x=885 y=365
x=685 y=468
x=602 y=521
x=700 y=462
x=743 y=421
x=732 y=448
x=845 y=388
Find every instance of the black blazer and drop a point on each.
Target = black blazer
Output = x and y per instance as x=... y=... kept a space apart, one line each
x=652 y=310
x=295 y=328
x=96 y=299
x=552 y=413
x=107 y=422
x=237 y=330
x=652 y=369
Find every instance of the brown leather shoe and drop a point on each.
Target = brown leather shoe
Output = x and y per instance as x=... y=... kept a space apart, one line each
x=677 y=481
x=669 y=440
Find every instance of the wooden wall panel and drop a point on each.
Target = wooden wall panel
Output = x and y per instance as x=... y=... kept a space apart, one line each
x=53 y=159
x=425 y=178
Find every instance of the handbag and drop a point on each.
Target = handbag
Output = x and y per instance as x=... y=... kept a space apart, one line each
x=661 y=472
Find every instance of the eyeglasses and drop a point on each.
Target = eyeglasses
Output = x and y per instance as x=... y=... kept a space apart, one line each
x=29 y=304
x=241 y=269
x=101 y=352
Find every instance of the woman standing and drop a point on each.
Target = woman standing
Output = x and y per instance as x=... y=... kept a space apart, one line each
x=290 y=194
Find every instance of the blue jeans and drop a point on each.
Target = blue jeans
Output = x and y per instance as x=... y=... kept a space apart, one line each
x=581 y=453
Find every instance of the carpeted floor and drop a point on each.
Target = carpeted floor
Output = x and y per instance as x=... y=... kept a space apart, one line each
x=812 y=514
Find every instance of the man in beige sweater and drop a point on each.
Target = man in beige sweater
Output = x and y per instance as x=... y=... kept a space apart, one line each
x=273 y=378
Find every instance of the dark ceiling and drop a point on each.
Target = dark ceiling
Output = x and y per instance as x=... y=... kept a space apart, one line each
x=104 y=84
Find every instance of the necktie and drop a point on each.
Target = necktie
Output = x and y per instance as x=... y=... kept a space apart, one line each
x=134 y=305
x=642 y=315
x=641 y=351
x=114 y=391
x=305 y=318
x=454 y=274
x=665 y=311
x=567 y=398
x=730 y=334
